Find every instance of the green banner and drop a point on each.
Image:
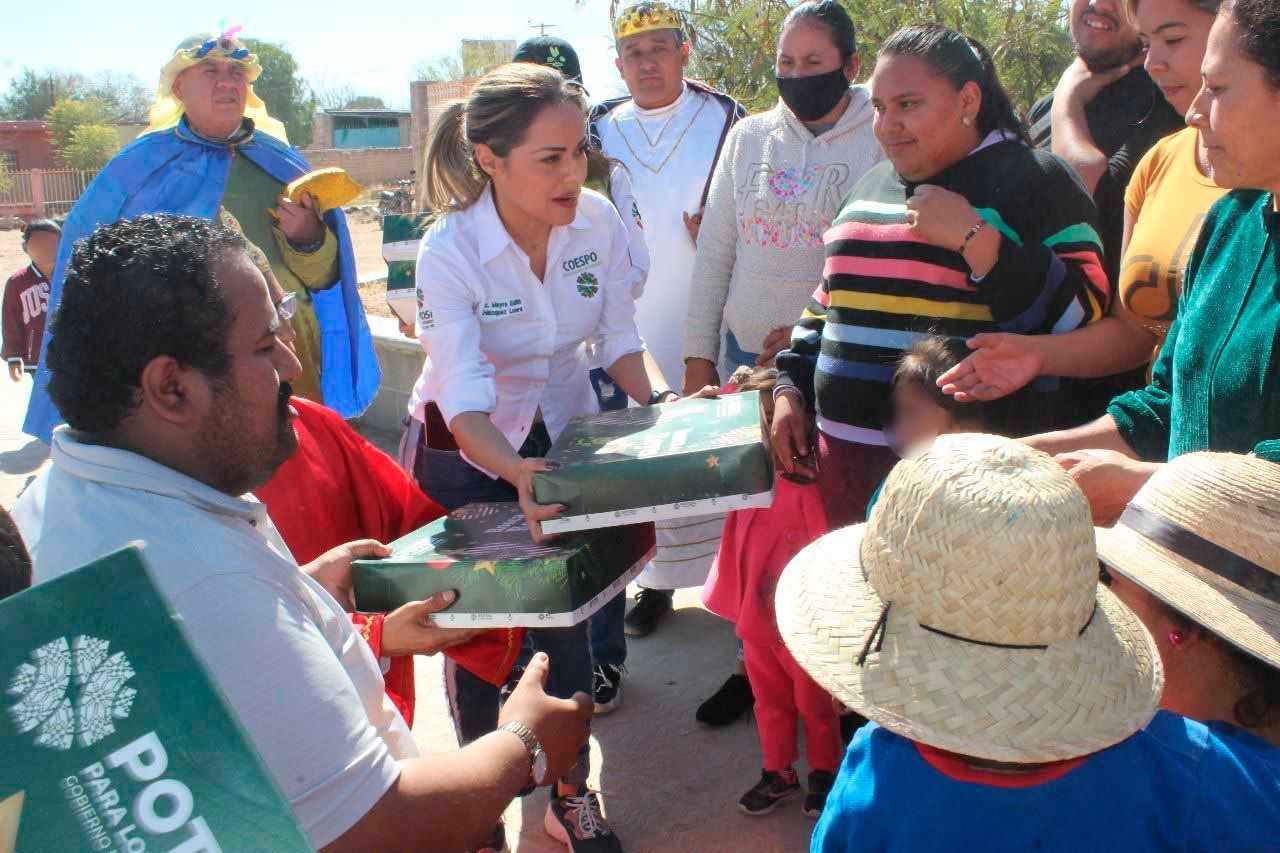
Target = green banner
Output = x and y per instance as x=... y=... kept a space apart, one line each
x=695 y=457
x=401 y=236
x=484 y=552
x=113 y=738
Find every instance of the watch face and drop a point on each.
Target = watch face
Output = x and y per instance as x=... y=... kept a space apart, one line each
x=540 y=768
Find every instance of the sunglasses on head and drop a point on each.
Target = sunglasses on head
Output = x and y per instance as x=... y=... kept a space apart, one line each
x=287 y=307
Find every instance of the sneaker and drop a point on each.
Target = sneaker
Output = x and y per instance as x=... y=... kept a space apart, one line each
x=731 y=701
x=651 y=606
x=496 y=842
x=820 y=782
x=770 y=792
x=606 y=688
x=578 y=824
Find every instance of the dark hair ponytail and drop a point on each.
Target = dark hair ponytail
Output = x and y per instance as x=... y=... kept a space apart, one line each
x=961 y=60
x=832 y=17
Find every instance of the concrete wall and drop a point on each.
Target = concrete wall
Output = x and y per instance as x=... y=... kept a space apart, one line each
x=321 y=130
x=365 y=165
x=428 y=99
x=401 y=361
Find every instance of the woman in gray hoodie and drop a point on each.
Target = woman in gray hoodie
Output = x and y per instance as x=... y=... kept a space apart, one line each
x=777 y=187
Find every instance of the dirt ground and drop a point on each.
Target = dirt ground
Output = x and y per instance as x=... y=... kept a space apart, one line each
x=366 y=239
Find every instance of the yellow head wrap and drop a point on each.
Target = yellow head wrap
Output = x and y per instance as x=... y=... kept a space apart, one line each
x=168 y=110
x=645 y=17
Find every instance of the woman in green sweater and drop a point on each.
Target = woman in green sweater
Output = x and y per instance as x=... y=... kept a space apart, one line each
x=1216 y=384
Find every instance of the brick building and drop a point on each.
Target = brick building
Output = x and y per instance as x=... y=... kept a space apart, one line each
x=27 y=145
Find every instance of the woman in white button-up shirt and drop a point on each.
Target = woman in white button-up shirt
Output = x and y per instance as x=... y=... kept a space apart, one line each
x=522 y=269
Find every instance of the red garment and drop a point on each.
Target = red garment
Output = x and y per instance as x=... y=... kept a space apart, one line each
x=848 y=475
x=26 y=306
x=338 y=488
x=784 y=694
x=755 y=547
x=955 y=767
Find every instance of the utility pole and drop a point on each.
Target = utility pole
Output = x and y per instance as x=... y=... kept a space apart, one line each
x=541 y=28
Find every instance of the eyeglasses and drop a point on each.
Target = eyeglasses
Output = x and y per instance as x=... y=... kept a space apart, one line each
x=287 y=307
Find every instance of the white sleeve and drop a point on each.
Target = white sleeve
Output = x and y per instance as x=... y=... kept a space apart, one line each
x=617 y=334
x=449 y=328
x=301 y=709
x=624 y=199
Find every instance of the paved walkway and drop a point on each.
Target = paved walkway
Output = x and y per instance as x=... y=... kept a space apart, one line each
x=670 y=784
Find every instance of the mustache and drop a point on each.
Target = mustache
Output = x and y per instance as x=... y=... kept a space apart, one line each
x=286 y=391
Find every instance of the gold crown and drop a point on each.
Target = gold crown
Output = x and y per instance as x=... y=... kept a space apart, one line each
x=646 y=17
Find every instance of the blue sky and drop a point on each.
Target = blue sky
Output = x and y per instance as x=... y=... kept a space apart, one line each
x=370 y=46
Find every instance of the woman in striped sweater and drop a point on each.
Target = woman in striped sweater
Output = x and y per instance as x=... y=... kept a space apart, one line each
x=964 y=229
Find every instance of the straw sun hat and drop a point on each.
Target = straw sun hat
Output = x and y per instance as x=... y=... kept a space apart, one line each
x=966 y=613
x=1203 y=536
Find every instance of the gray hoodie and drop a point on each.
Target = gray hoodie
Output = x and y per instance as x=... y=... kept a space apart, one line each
x=775 y=192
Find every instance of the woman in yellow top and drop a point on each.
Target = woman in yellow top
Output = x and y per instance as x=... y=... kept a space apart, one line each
x=1167 y=199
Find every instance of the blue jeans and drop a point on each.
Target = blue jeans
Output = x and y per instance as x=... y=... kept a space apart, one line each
x=451 y=481
x=608 y=637
x=735 y=356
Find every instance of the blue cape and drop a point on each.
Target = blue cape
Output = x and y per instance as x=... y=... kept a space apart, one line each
x=174 y=171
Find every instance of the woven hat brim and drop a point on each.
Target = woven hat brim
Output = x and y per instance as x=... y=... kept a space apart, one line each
x=1242 y=618
x=1017 y=705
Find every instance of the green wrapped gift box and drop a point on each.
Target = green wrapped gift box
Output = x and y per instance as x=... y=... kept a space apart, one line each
x=695 y=457
x=113 y=737
x=401 y=235
x=503 y=579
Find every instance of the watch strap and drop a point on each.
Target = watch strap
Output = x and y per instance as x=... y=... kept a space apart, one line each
x=527 y=737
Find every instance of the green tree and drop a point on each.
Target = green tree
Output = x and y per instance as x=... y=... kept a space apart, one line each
x=33 y=93
x=6 y=182
x=476 y=58
x=287 y=96
x=735 y=40
x=91 y=146
x=365 y=102
x=440 y=68
x=69 y=114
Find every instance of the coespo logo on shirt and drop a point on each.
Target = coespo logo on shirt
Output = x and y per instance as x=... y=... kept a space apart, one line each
x=588 y=285
x=589 y=259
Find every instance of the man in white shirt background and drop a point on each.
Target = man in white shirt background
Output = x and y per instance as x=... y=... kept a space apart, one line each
x=176 y=394
x=668 y=133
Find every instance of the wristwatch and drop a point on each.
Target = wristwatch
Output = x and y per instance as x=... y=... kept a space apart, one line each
x=537 y=758
x=656 y=397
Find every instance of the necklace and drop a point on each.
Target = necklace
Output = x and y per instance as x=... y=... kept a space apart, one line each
x=653 y=143
x=674 y=147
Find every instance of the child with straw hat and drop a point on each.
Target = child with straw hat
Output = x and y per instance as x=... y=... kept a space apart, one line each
x=1196 y=555
x=1011 y=696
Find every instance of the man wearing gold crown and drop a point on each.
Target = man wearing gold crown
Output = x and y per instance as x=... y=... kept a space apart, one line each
x=668 y=133
x=211 y=150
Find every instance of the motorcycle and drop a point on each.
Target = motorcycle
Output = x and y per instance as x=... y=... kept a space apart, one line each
x=399 y=200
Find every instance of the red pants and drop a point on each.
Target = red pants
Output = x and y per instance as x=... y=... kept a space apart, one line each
x=848 y=475
x=784 y=694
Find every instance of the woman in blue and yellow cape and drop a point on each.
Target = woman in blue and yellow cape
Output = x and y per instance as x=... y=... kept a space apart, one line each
x=173 y=169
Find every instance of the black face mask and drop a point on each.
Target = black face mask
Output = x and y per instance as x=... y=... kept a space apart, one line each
x=810 y=98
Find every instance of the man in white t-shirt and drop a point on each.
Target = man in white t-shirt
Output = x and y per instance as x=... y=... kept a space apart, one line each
x=176 y=390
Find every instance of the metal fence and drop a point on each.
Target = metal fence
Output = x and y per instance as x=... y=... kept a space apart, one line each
x=43 y=192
